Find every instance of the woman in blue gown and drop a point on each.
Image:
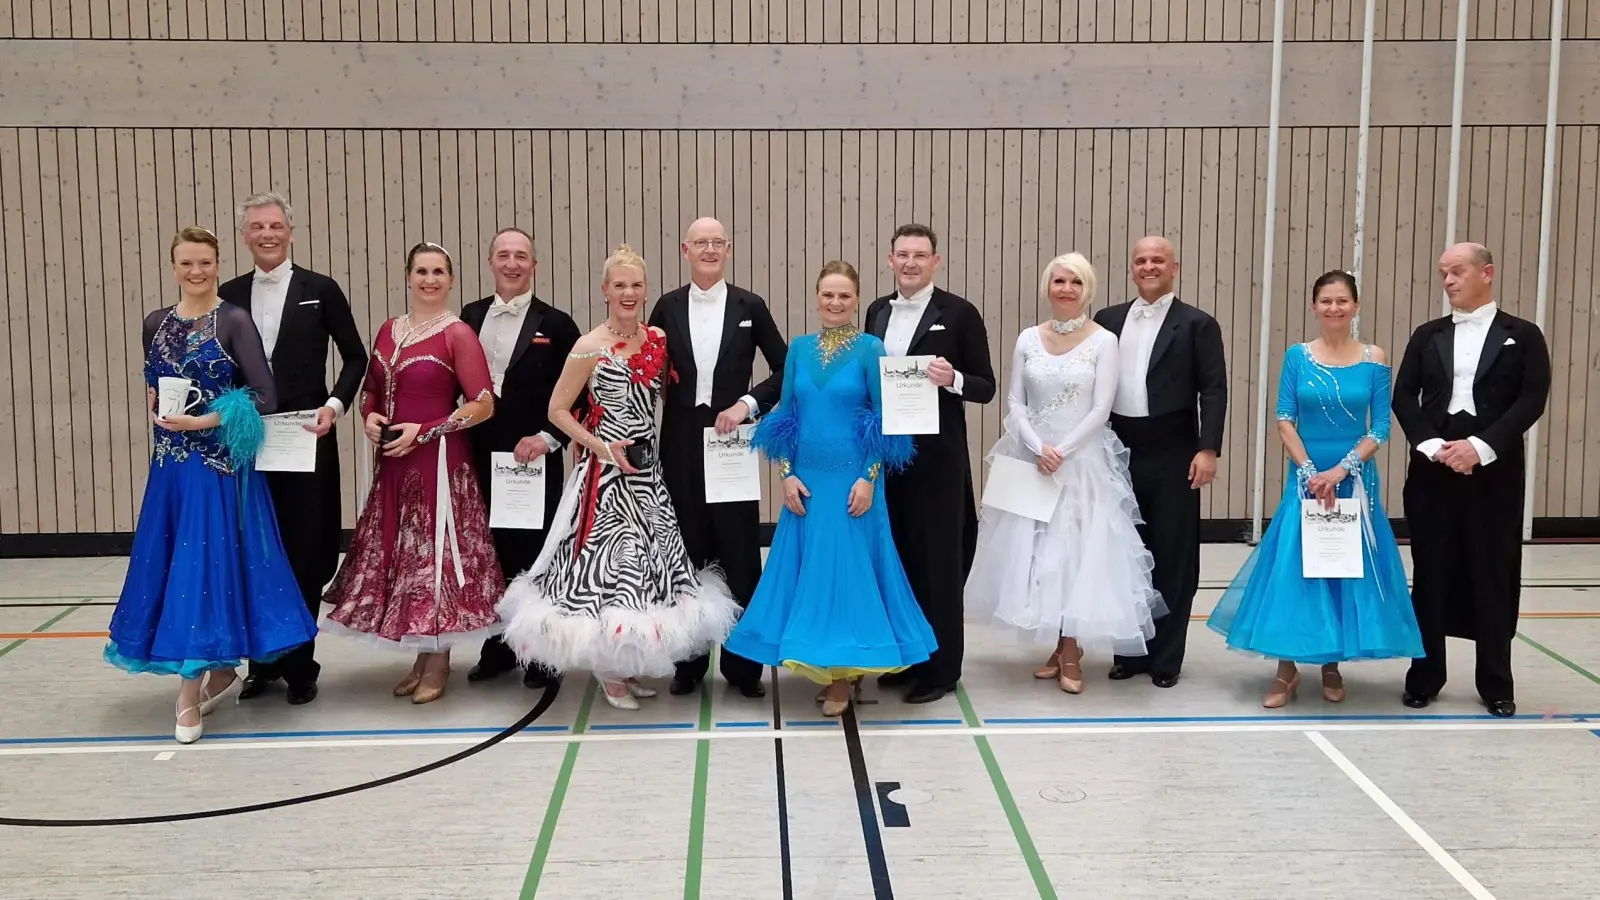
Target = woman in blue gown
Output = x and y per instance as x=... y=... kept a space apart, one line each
x=833 y=602
x=208 y=584
x=1333 y=414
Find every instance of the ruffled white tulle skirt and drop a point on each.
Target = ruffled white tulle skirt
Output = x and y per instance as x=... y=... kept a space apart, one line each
x=1084 y=574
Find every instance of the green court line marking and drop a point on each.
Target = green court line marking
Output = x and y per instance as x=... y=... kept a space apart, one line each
x=1041 y=879
x=45 y=627
x=697 y=813
x=552 y=812
x=1559 y=658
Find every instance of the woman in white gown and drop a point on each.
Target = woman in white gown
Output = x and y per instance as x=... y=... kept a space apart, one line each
x=1082 y=579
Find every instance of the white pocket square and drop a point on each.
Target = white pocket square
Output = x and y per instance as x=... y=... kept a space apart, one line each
x=745 y=324
x=1509 y=342
x=310 y=302
x=935 y=327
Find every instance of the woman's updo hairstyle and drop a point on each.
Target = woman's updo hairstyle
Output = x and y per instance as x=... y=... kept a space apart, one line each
x=839 y=267
x=623 y=255
x=192 y=235
x=1335 y=277
x=430 y=247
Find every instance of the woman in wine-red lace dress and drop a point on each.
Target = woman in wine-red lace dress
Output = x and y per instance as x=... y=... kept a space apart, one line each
x=421 y=574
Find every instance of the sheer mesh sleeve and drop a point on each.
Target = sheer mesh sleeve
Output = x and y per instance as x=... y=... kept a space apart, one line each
x=1379 y=431
x=237 y=333
x=1106 y=373
x=472 y=374
x=1017 y=399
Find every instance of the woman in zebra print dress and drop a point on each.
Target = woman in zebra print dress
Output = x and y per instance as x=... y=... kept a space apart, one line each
x=614 y=590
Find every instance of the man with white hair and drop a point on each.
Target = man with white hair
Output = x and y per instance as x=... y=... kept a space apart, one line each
x=1470 y=385
x=298 y=312
x=713 y=332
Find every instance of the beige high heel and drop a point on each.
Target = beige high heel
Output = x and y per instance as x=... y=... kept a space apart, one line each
x=1277 y=699
x=1067 y=683
x=430 y=689
x=835 y=708
x=408 y=684
x=1051 y=667
x=1332 y=685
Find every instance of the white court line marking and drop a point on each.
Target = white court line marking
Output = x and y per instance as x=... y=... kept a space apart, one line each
x=1439 y=854
x=222 y=743
x=164 y=755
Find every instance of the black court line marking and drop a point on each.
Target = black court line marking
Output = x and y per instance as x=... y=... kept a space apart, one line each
x=895 y=814
x=783 y=793
x=876 y=862
x=538 y=710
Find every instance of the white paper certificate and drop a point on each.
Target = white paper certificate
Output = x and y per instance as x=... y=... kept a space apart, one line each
x=516 y=492
x=733 y=474
x=910 y=400
x=288 y=446
x=1019 y=487
x=1330 y=540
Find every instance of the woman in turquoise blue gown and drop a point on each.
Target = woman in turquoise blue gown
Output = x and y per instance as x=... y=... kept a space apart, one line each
x=833 y=602
x=208 y=583
x=1333 y=415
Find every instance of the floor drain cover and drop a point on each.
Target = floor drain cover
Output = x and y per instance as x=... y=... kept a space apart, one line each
x=1062 y=795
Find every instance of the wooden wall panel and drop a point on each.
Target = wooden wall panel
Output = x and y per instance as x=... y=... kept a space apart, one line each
x=771 y=21
x=86 y=215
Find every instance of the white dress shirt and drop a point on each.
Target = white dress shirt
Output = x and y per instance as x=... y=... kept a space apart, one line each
x=1471 y=329
x=904 y=315
x=502 y=325
x=1137 y=342
x=708 y=310
x=269 y=294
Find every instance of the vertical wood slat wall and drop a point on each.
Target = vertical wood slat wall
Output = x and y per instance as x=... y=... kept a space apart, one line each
x=779 y=21
x=85 y=213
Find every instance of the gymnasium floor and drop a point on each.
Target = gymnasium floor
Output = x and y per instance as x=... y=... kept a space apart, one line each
x=1012 y=790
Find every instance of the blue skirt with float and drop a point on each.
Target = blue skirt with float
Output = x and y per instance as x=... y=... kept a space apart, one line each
x=208 y=583
x=833 y=601
x=1271 y=609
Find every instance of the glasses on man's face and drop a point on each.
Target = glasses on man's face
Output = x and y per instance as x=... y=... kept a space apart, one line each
x=711 y=243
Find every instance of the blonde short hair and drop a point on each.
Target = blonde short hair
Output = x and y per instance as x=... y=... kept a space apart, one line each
x=623 y=256
x=1078 y=265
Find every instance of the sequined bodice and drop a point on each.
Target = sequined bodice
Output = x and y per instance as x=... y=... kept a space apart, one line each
x=190 y=348
x=1059 y=388
x=416 y=371
x=830 y=386
x=1334 y=408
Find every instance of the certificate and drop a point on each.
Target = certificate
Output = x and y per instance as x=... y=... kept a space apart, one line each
x=1330 y=539
x=1019 y=487
x=516 y=492
x=733 y=474
x=910 y=400
x=288 y=446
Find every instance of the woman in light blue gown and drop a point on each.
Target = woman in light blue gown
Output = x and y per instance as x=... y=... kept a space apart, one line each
x=1333 y=415
x=833 y=602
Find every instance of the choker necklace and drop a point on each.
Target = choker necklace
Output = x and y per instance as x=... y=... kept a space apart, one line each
x=1070 y=326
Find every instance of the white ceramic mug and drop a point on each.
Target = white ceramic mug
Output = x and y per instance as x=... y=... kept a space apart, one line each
x=172 y=396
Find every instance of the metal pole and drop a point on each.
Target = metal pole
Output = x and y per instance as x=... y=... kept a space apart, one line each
x=1358 y=244
x=1267 y=275
x=1455 y=132
x=1546 y=223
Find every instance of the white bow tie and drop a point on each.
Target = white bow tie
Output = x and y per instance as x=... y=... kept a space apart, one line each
x=270 y=277
x=902 y=303
x=1147 y=310
x=501 y=308
x=1479 y=315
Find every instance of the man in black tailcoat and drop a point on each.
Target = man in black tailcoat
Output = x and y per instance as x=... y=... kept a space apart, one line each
x=1172 y=397
x=932 y=512
x=526 y=342
x=298 y=312
x=1470 y=385
x=713 y=332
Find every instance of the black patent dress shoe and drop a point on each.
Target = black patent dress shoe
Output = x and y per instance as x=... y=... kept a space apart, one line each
x=1122 y=672
x=1415 y=701
x=1505 y=709
x=752 y=689
x=681 y=686
x=301 y=694
x=1163 y=680
x=486 y=671
x=902 y=678
x=927 y=694
x=255 y=686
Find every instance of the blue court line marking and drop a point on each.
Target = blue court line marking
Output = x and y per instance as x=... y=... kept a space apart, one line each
x=808 y=723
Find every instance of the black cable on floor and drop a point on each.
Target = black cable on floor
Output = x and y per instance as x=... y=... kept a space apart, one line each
x=538 y=710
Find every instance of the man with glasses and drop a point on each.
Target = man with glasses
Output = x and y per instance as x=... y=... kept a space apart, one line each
x=713 y=331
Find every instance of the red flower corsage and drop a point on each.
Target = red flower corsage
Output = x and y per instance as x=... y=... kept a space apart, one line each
x=647 y=363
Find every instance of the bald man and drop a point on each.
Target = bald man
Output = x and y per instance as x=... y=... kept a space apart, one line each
x=713 y=332
x=1172 y=397
x=1470 y=385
